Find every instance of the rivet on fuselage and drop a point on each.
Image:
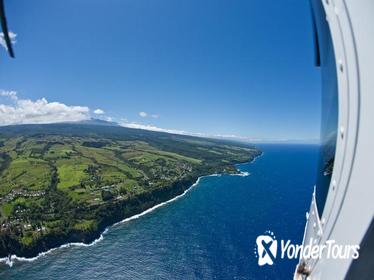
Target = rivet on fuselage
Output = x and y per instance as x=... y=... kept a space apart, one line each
x=340 y=64
x=342 y=131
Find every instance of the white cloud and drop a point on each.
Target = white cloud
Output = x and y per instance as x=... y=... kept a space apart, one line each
x=152 y=128
x=26 y=111
x=126 y=123
x=12 y=37
x=228 y=136
x=9 y=93
x=143 y=114
x=99 y=112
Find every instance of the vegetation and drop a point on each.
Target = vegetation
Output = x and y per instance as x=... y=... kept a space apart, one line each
x=66 y=182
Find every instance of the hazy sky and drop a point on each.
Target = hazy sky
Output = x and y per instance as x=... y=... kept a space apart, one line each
x=242 y=67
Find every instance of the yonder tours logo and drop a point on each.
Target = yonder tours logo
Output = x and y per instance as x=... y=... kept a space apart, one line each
x=266 y=250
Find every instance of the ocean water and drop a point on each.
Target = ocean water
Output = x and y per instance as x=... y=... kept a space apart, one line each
x=209 y=233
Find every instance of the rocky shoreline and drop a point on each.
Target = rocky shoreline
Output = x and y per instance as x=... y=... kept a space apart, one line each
x=118 y=211
x=112 y=213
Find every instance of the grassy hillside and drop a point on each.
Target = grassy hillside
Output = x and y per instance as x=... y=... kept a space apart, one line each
x=66 y=182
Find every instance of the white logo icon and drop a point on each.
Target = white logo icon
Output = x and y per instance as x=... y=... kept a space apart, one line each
x=266 y=248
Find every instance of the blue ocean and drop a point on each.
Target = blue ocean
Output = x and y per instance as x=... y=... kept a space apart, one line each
x=209 y=233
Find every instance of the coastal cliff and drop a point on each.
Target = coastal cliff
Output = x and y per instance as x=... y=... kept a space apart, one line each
x=67 y=183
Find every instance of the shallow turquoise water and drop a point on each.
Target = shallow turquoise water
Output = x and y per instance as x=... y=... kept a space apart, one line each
x=207 y=234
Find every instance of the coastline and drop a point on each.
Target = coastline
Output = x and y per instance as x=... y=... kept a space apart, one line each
x=10 y=260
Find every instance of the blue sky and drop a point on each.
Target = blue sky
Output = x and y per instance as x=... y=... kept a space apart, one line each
x=215 y=67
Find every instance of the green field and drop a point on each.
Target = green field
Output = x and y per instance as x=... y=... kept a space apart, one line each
x=55 y=179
